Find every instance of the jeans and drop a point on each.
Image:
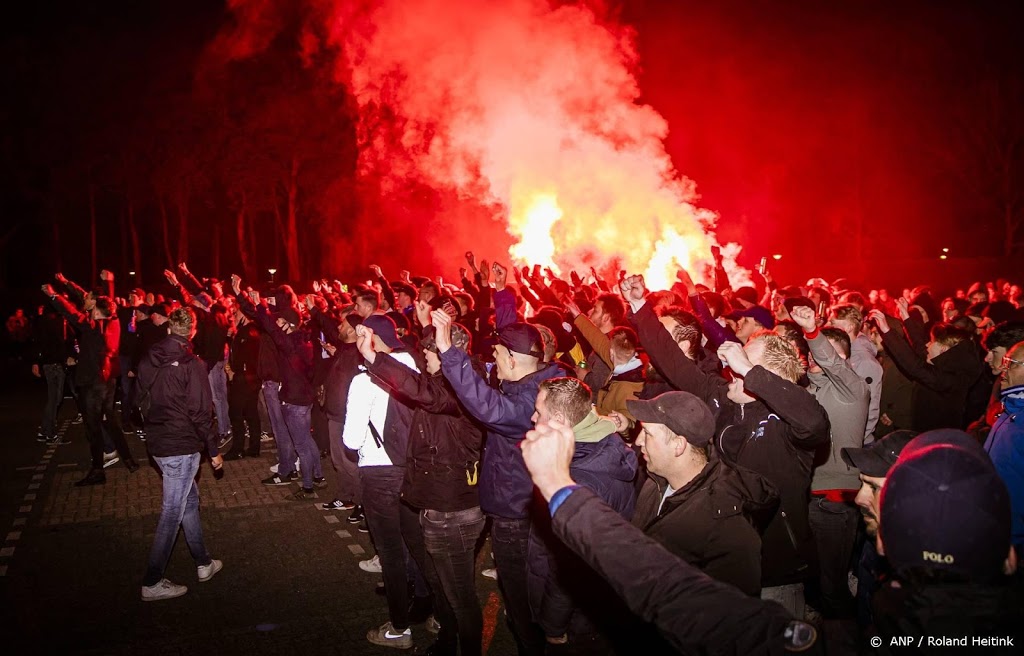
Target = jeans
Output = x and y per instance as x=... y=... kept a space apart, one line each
x=450 y=539
x=321 y=429
x=54 y=375
x=834 y=526
x=271 y=389
x=243 y=408
x=219 y=389
x=297 y=437
x=97 y=403
x=509 y=539
x=382 y=506
x=346 y=465
x=180 y=509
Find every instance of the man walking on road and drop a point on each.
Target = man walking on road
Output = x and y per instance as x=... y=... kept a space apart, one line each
x=179 y=423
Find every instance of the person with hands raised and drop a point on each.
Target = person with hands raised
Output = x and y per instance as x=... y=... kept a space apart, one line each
x=832 y=513
x=692 y=611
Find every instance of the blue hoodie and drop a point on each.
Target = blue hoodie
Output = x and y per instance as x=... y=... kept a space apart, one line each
x=1005 y=445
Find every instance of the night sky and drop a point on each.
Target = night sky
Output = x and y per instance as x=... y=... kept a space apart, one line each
x=850 y=132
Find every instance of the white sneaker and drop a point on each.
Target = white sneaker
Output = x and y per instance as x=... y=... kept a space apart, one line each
x=387 y=637
x=206 y=572
x=371 y=565
x=273 y=467
x=112 y=459
x=490 y=573
x=162 y=590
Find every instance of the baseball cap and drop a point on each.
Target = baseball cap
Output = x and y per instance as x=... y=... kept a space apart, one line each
x=143 y=308
x=163 y=309
x=748 y=294
x=521 y=338
x=138 y=291
x=682 y=412
x=944 y=507
x=759 y=314
x=878 y=458
x=384 y=328
x=204 y=299
x=798 y=301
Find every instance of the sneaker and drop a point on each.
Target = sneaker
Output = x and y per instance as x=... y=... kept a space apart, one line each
x=234 y=455
x=363 y=528
x=305 y=493
x=273 y=468
x=265 y=437
x=277 y=480
x=162 y=590
x=224 y=440
x=386 y=636
x=356 y=516
x=490 y=573
x=371 y=565
x=433 y=625
x=206 y=572
x=40 y=437
x=320 y=483
x=57 y=440
x=337 y=504
x=141 y=434
x=110 y=459
x=78 y=419
x=557 y=640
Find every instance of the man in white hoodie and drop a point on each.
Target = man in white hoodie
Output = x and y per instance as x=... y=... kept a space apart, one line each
x=377 y=428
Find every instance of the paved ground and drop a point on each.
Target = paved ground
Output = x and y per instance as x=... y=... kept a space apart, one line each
x=72 y=559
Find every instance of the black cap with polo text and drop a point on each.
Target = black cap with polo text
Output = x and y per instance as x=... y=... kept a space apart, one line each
x=683 y=413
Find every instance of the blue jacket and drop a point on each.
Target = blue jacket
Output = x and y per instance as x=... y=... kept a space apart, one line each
x=505 y=485
x=1005 y=445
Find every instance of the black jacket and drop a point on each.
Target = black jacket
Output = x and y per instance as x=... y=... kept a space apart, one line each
x=695 y=613
x=443 y=453
x=941 y=387
x=294 y=354
x=713 y=522
x=775 y=436
x=147 y=335
x=244 y=357
x=51 y=339
x=268 y=367
x=340 y=371
x=98 y=342
x=180 y=418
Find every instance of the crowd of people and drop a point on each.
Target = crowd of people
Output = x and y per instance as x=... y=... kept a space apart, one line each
x=698 y=469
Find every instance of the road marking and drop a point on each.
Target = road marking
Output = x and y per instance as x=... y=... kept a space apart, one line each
x=30 y=497
x=14 y=536
x=356 y=549
x=25 y=509
x=6 y=552
x=343 y=534
x=330 y=519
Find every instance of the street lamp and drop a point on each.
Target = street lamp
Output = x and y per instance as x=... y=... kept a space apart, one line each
x=271 y=272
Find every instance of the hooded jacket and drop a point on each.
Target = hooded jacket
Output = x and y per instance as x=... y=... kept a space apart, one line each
x=147 y=335
x=180 y=418
x=864 y=360
x=443 y=457
x=1005 y=445
x=940 y=387
x=713 y=522
x=775 y=436
x=294 y=354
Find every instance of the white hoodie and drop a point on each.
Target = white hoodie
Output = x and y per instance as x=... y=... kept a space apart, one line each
x=368 y=402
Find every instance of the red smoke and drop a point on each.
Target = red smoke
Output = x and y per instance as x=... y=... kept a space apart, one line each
x=527 y=109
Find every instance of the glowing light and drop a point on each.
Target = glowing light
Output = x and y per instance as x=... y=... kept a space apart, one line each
x=777 y=256
x=945 y=250
x=534 y=226
x=942 y=257
x=271 y=271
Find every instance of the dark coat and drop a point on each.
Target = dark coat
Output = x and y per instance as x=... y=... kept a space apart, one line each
x=147 y=335
x=180 y=418
x=941 y=387
x=98 y=342
x=340 y=371
x=52 y=341
x=713 y=522
x=443 y=457
x=695 y=613
x=244 y=357
x=775 y=436
x=294 y=354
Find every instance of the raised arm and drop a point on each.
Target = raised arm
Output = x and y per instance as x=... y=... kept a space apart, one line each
x=716 y=333
x=78 y=320
x=850 y=387
x=187 y=280
x=910 y=362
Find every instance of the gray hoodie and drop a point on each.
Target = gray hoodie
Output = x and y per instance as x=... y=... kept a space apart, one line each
x=864 y=360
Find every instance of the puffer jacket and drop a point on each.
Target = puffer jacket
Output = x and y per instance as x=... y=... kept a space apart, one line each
x=713 y=522
x=775 y=436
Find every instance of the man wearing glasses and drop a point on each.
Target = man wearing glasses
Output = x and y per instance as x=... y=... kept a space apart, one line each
x=1005 y=443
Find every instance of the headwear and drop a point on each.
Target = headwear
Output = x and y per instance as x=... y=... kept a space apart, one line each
x=204 y=299
x=460 y=338
x=354 y=319
x=554 y=321
x=759 y=314
x=522 y=338
x=403 y=288
x=384 y=328
x=163 y=309
x=401 y=321
x=143 y=308
x=877 y=458
x=944 y=507
x=290 y=315
x=683 y=413
x=748 y=294
x=798 y=301
x=138 y=291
